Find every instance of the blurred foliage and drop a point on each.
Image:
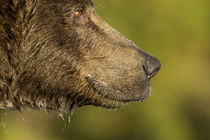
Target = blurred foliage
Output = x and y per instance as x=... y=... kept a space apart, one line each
x=175 y=31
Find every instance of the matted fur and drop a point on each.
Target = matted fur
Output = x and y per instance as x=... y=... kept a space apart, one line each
x=54 y=59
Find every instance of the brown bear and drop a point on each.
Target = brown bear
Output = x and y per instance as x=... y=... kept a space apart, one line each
x=60 y=55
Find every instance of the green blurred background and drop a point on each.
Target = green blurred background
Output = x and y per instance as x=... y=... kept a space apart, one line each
x=177 y=32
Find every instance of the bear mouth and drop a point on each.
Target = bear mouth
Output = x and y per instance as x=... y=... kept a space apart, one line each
x=113 y=95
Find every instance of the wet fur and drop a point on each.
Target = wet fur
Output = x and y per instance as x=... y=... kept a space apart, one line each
x=45 y=59
x=16 y=19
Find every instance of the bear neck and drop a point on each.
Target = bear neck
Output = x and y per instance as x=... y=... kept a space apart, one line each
x=15 y=24
x=13 y=29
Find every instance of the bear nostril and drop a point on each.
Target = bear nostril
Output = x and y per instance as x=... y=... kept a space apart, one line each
x=152 y=66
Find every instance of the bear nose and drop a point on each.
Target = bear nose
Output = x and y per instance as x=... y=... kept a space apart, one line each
x=151 y=66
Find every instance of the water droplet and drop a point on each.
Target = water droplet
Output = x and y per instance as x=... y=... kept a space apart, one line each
x=3 y=124
x=61 y=116
x=70 y=119
x=141 y=101
x=3 y=119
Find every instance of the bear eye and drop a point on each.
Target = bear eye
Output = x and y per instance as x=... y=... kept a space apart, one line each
x=78 y=12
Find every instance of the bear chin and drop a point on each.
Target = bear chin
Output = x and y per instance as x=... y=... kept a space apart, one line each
x=112 y=95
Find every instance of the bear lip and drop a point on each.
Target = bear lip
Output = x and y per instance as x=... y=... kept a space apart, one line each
x=109 y=93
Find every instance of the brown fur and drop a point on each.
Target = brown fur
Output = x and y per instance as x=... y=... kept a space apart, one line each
x=51 y=59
